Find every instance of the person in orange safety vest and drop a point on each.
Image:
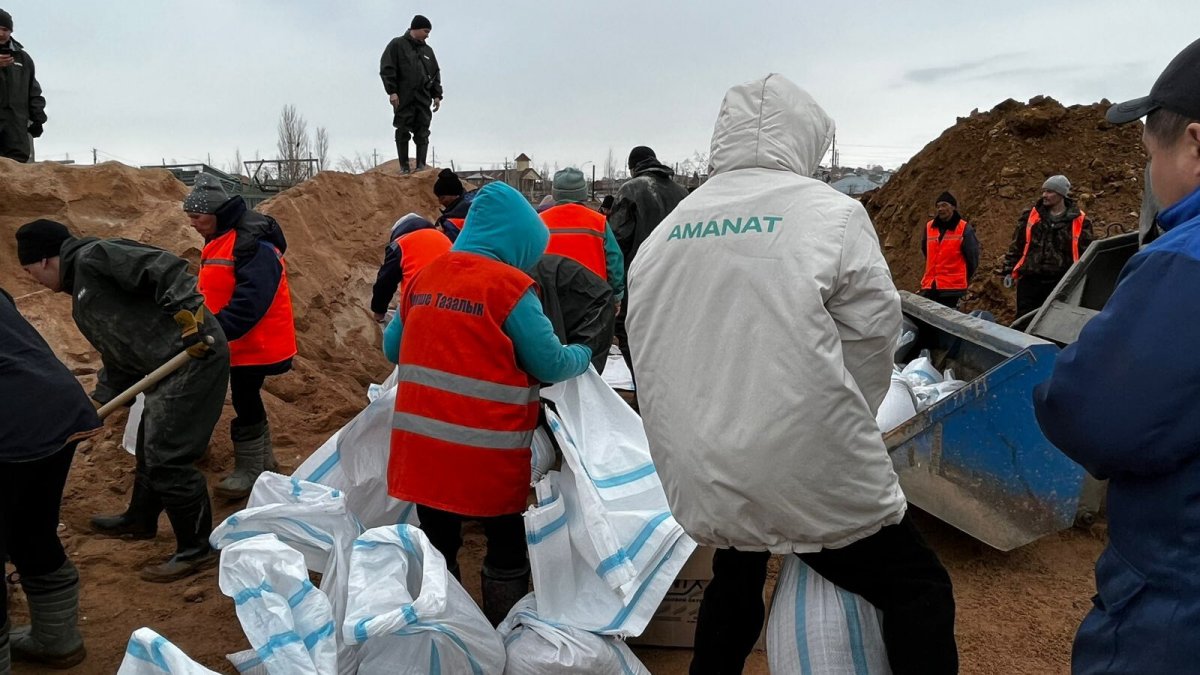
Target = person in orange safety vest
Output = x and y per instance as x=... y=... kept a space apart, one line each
x=243 y=277
x=951 y=252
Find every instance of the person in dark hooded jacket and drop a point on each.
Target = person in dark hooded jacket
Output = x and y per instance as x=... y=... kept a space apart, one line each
x=22 y=106
x=578 y=303
x=641 y=204
x=243 y=277
x=138 y=306
x=46 y=415
x=413 y=81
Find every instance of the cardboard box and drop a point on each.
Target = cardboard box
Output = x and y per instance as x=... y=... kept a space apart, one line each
x=674 y=624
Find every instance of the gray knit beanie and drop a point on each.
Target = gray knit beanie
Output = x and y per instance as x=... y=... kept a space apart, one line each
x=1058 y=184
x=570 y=186
x=207 y=195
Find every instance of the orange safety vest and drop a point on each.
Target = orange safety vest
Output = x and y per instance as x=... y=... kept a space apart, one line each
x=465 y=411
x=273 y=338
x=418 y=249
x=1034 y=219
x=578 y=233
x=945 y=266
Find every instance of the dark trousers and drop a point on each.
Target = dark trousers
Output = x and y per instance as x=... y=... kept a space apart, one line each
x=414 y=118
x=506 y=547
x=947 y=298
x=623 y=337
x=14 y=144
x=245 y=389
x=893 y=569
x=30 y=498
x=1032 y=293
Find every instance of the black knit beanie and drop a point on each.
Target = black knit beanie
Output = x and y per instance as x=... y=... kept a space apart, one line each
x=5 y=20
x=419 y=23
x=39 y=240
x=640 y=154
x=948 y=198
x=448 y=184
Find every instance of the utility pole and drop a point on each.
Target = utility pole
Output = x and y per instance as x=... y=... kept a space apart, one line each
x=93 y=156
x=375 y=157
x=433 y=160
x=593 y=181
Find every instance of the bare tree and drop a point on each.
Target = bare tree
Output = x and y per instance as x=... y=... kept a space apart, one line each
x=322 y=148
x=293 y=144
x=359 y=163
x=235 y=166
x=610 y=165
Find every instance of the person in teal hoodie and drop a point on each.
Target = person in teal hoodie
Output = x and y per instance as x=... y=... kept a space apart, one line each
x=507 y=229
x=476 y=345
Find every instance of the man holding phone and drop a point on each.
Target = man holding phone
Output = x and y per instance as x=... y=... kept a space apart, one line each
x=22 y=106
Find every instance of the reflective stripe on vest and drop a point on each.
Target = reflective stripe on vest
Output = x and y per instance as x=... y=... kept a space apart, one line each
x=273 y=338
x=578 y=233
x=1035 y=218
x=945 y=265
x=465 y=411
x=418 y=249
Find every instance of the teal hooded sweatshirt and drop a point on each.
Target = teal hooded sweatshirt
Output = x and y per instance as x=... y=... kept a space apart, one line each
x=501 y=225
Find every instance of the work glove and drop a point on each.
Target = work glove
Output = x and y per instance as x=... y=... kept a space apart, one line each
x=193 y=338
x=1009 y=281
x=35 y=129
x=437 y=104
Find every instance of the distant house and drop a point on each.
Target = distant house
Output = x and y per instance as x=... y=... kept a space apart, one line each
x=521 y=176
x=854 y=185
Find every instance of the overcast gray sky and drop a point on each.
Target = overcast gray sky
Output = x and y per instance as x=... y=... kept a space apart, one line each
x=146 y=80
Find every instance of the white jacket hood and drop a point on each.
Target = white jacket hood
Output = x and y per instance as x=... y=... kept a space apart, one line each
x=770 y=123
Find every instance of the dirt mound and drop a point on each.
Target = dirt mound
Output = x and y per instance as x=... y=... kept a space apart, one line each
x=336 y=225
x=994 y=163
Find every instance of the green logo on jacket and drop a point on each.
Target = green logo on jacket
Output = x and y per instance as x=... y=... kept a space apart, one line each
x=725 y=226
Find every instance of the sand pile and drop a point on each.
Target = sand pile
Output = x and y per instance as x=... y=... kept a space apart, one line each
x=995 y=163
x=336 y=225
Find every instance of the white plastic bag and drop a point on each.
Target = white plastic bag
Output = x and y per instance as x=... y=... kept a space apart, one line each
x=311 y=518
x=921 y=372
x=355 y=461
x=149 y=653
x=536 y=647
x=898 y=406
x=409 y=615
x=616 y=373
x=603 y=545
x=816 y=627
x=130 y=437
x=288 y=622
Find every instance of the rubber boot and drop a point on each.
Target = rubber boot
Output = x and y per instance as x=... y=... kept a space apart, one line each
x=402 y=151
x=5 y=661
x=501 y=590
x=52 y=638
x=140 y=519
x=192 y=525
x=248 y=457
x=422 y=153
x=269 y=461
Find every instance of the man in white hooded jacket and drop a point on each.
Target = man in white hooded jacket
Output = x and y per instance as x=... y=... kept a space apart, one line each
x=762 y=319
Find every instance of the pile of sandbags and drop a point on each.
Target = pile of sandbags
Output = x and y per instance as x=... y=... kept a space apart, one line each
x=915 y=386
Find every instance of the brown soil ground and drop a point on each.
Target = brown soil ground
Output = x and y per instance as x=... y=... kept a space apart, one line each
x=995 y=163
x=1017 y=611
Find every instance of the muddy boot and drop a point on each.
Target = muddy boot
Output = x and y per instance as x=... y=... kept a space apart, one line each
x=52 y=638
x=501 y=590
x=402 y=152
x=193 y=553
x=5 y=661
x=422 y=151
x=248 y=442
x=140 y=520
x=269 y=461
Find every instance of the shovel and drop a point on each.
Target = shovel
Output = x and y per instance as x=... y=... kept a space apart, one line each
x=148 y=381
